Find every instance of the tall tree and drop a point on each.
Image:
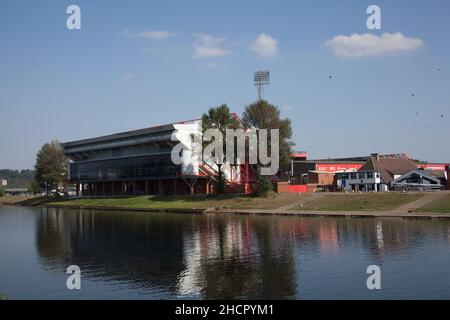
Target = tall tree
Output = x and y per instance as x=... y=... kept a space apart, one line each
x=51 y=166
x=219 y=118
x=263 y=115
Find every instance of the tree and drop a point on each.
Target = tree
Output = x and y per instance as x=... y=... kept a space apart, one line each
x=51 y=166
x=17 y=178
x=219 y=118
x=263 y=186
x=263 y=115
x=34 y=187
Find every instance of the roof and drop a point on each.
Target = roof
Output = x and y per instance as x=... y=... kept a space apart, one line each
x=299 y=154
x=348 y=159
x=328 y=162
x=365 y=158
x=126 y=134
x=421 y=173
x=388 y=167
x=135 y=133
x=320 y=172
x=434 y=174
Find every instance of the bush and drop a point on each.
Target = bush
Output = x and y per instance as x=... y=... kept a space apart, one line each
x=2 y=193
x=220 y=184
x=263 y=186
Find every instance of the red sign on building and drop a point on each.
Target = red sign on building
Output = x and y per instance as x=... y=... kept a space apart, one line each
x=333 y=167
x=432 y=166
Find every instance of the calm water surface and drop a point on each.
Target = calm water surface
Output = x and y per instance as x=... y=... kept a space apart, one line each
x=134 y=255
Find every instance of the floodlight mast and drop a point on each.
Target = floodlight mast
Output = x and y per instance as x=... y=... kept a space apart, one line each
x=262 y=78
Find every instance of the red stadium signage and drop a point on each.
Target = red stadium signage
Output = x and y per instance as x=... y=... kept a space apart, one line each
x=333 y=167
x=432 y=166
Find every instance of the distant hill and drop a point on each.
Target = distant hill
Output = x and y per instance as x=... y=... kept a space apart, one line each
x=17 y=178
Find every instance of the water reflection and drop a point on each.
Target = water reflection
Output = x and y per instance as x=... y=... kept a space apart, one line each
x=217 y=256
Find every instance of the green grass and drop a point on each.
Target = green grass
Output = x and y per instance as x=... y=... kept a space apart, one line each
x=2 y=296
x=138 y=202
x=272 y=201
x=325 y=202
x=438 y=206
x=358 y=202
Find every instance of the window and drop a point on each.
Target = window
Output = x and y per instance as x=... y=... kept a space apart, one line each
x=352 y=175
x=125 y=168
x=343 y=176
x=369 y=175
x=362 y=176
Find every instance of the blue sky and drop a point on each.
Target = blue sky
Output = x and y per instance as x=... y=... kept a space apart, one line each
x=141 y=63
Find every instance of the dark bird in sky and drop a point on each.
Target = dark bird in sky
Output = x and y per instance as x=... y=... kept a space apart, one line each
x=413 y=94
x=439 y=69
x=442 y=115
x=330 y=77
x=417 y=113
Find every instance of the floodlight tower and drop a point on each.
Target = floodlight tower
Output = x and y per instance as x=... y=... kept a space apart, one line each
x=262 y=78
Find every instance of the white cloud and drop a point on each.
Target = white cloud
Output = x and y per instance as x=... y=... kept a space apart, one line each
x=366 y=45
x=208 y=40
x=265 y=46
x=153 y=35
x=207 y=46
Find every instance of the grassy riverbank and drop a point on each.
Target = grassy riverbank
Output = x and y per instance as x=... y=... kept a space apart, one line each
x=358 y=202
x=439 y=206
x=272 y=201
x=321 y=202
x=14 y=199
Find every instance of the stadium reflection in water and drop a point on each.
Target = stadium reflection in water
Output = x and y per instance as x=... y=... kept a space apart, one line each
x=160 y=255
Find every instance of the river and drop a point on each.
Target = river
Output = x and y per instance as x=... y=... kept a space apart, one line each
x=143 y=255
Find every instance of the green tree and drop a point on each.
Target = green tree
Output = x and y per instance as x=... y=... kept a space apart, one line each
x=219 y=118
x=2 y=193
x=51 y=166
x=263 y=186
x=17 y=178
x=34 y=187
x=263 y=115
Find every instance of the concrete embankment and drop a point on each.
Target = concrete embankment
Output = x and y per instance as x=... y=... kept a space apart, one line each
x=347 y=214
x=274 y=212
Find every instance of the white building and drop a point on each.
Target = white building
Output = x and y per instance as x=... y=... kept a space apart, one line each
x=4 y=183
x=366 y=181
x=376 y=174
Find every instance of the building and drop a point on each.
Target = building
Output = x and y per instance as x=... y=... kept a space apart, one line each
x=439 y=167
x=315 y=175
x=417 y=180
x=301 y=167
x=139 y=162
x=4 y=183
x=320 y=180
x=17 y=192
x=363 y=180
x=447 y=176
x=376 y=174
